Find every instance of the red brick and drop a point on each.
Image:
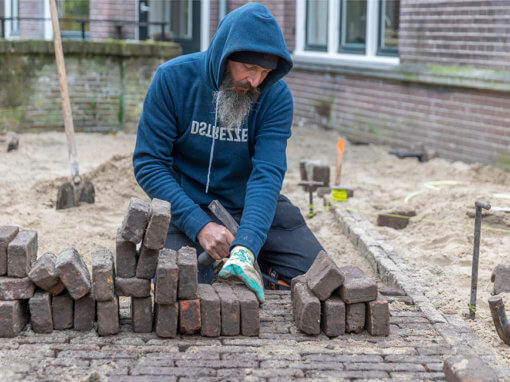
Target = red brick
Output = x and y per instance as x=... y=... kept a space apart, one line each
x=190 y=320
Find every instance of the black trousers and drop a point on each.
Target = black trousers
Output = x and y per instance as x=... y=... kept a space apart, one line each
x=289 y=250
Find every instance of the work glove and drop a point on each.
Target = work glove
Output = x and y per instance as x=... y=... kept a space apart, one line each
x=240 y=266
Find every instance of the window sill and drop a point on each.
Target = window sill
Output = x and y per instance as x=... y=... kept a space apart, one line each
x=390 y=68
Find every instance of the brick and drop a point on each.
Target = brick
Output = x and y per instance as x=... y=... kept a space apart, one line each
x=21 y=253
x=157 y=228
x=324 y=276
x=167 y=277
x=165 y=320
x=13 y=317
x=500 y=277
x=333 y=317
x=74 y=273
x=125 y=257
x=230 y=310
x=307 y=309
x=135 y=221
x=16 y=288
x=249 y=306
x=294 y=281
x=62 y=311
x=40 y=312
x=391 y=291
x=210 y=310
x=190 y=320
x=396 y=222
x=132 y=287
x=85 y=312
x=467 y=368
x=320 y=173
x=108 y=317
x=103 y=275
x=7 y=234
x=357 y=286
x=147 y=263
x=141 y=313
x=188 y=273
x=355 y=317
x=44 y=274
x=378 y=317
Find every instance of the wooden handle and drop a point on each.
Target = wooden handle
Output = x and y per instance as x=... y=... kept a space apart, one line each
x=64 y=93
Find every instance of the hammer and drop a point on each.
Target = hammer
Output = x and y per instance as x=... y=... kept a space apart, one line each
x=499 y=317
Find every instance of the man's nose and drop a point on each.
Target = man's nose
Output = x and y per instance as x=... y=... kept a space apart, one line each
x=255 y=79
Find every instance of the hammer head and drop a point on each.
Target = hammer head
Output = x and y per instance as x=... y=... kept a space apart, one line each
x=499 y=317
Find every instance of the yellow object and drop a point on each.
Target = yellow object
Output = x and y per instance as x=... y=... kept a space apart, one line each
x=338 y=195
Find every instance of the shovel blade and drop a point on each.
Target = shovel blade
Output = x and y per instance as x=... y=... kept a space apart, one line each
x=65 y=196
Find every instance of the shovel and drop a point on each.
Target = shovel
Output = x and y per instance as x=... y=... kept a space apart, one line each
x=70 y=194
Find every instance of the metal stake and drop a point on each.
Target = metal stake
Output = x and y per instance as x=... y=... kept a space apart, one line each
x=476 y=252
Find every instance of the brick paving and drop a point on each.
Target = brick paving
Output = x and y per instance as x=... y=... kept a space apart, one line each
x=414 y=350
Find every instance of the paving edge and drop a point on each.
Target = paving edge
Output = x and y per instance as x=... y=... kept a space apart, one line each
x=394 y=270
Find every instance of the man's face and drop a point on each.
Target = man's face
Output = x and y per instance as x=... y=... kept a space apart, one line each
x=246 y=76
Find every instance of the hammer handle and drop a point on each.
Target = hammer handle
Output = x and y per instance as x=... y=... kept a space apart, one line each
x=224 y=217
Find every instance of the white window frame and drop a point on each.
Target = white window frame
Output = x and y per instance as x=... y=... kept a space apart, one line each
x=8 y=24
x=332 y=56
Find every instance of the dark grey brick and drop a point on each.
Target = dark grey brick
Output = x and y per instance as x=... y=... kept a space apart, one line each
x=165 y=320
x=378 y=317
x=135 y=221
x=7 y=234
x=324 y=276
x=141 y=313
x=44 y=274
x=108 y=317
x=13 y=317
x=125 y=257
x=307 y=309
x=210 y=309
x=74 y=273
x=463 y=367
x=249 y=306
x=62 y=311
x=355 y=317
x=333 y=316
x=133 y=287
x=157 y=228
x=230 y=310
x=103 y=275
x=16 y=288
x=40 y=312
x=21 y=253
x=85 y=312
x=147 y=263
x=188 y=273
x=167 y=277
x=357 y=286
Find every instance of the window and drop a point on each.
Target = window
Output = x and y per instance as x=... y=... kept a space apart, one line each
x=73 y=10
x=317 y=25
x=11 y=8
x=355 y=30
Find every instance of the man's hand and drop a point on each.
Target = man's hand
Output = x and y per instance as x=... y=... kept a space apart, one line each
x=215 y=240
x=240 y=266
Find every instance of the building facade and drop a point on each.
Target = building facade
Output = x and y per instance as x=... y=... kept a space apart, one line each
x=398 y=72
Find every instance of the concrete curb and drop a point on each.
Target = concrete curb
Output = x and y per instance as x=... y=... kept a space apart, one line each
x=394 y=270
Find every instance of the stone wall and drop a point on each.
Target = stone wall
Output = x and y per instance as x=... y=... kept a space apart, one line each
x=107 y=83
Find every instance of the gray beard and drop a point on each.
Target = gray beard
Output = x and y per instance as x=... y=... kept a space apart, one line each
x=233 y=106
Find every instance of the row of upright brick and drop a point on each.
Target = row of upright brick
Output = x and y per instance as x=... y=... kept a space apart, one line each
x=338 y=300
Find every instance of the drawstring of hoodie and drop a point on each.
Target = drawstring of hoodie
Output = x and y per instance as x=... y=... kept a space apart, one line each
x=211 y=155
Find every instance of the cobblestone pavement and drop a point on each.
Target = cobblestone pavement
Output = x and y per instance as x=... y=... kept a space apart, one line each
x=414 y=350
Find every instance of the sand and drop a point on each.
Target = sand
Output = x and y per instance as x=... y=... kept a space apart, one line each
x=438 y=243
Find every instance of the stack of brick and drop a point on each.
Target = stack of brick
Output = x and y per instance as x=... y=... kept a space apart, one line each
x=338 y=300
x=18 y=251
x=147 y=226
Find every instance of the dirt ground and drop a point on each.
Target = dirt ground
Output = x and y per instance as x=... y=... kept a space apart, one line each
x=438 y=243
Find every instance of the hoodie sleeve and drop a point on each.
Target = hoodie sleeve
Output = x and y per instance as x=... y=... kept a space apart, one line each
x=153 y=161
x=269 y=167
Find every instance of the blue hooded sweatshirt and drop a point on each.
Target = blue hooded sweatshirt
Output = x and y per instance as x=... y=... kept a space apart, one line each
x=184 y=155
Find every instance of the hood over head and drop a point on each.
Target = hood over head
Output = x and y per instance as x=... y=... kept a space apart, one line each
x=248 y=28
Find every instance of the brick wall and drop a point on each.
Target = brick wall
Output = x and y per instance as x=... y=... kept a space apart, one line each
x=456 y=32
x=459 y=123
x=27 y=28
x=107 y=83
x=112 y=10
x=214 y=13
